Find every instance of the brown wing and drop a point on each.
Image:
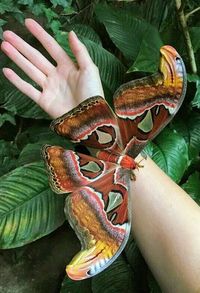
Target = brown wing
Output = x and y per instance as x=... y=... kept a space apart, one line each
x=146 y=105
x=93 y=123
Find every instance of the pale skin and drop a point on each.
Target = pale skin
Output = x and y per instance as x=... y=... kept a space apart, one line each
x=165 y=220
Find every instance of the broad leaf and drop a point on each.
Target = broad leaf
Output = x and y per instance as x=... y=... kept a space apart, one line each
x=138 y=265
x=37 y=133
x=196 y=100
x=7 y=117
x=25 y=2
x=153 y=285
x=192 y=186
x=155 y=12
x=85 y=31
x=118 y=277
x=28 y=208
x=38 y=9
x=132 y=252
x=136 y=39
x=16 y=102
x=63 y=3
x=71 y=286
x=181 y=126
x=196 y=79
x=110 y=68
x=2 y=22
x=148 y=51
x=32 y=151
x=193 y=77
x=8 y=6
x=8 y=155
x=189 y=128
x=194 y=130
x=170 y=152
x=195 y=37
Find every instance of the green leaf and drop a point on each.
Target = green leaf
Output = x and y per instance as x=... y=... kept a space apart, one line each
x=7 y=117
x=118 y=277
x=132 y=253
x=32 y=151
x=8 y=6
x=137 y=263
x=194 y=130
x=170 y=152
x=192 y=186
x=195 y=37
x=85 y=31
x=136 y=39
x=8 y=156
x=2 y=22
x=193 y=77
x=25 y=2
x=71 y=286
x=68 y=11
x=55 y=25
x=153 y=285
x=19 y=16
x=110 y=68
x=50 y=14
x=63 y=3
x=155 y=12
x=38 y=9
x=196 y=100
x=29 y=210
x=196 y=79
x=148 y=51
x=16 y=102
x=181 y=127
x=189 y=128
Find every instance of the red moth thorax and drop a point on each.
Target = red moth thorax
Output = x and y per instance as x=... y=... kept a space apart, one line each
x=124 y=161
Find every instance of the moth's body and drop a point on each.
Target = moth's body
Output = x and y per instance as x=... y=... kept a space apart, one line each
x=97 y=207
x=124 y=161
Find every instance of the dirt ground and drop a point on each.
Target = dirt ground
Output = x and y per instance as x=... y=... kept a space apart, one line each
x=38 y=267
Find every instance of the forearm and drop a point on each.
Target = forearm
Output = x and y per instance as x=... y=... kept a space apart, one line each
x=166 y=226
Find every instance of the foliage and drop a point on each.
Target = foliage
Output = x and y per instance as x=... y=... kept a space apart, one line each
x=123 y=38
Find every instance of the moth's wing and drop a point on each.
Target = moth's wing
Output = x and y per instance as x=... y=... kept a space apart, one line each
x=97 y=208
x=69 y=170
x=92 y=123
x=99 y=215
x=146 y=105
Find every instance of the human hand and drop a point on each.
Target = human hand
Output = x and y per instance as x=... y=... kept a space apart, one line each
x=63 y=86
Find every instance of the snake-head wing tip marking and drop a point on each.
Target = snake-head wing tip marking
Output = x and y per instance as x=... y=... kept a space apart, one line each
x=172 y=67
x=90 y=262
x=101 y=239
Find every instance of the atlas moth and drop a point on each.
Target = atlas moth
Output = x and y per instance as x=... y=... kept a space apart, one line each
x=97 y=205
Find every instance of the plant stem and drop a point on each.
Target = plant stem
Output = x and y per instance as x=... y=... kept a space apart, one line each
x=183 y=22
x=191 y=12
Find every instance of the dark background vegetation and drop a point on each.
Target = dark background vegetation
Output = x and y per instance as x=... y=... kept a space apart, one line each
x=123 y=38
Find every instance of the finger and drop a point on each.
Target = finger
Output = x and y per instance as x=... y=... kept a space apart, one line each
x=29 y=52
x=25 y=87
x=33 y=72
x=79 y=50
x=48 y=42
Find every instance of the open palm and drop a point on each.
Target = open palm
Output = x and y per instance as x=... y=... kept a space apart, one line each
x=63 y=86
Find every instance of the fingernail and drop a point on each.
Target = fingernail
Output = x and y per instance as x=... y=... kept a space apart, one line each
x=5 y=46
x=5 y=71
x=73 y=33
